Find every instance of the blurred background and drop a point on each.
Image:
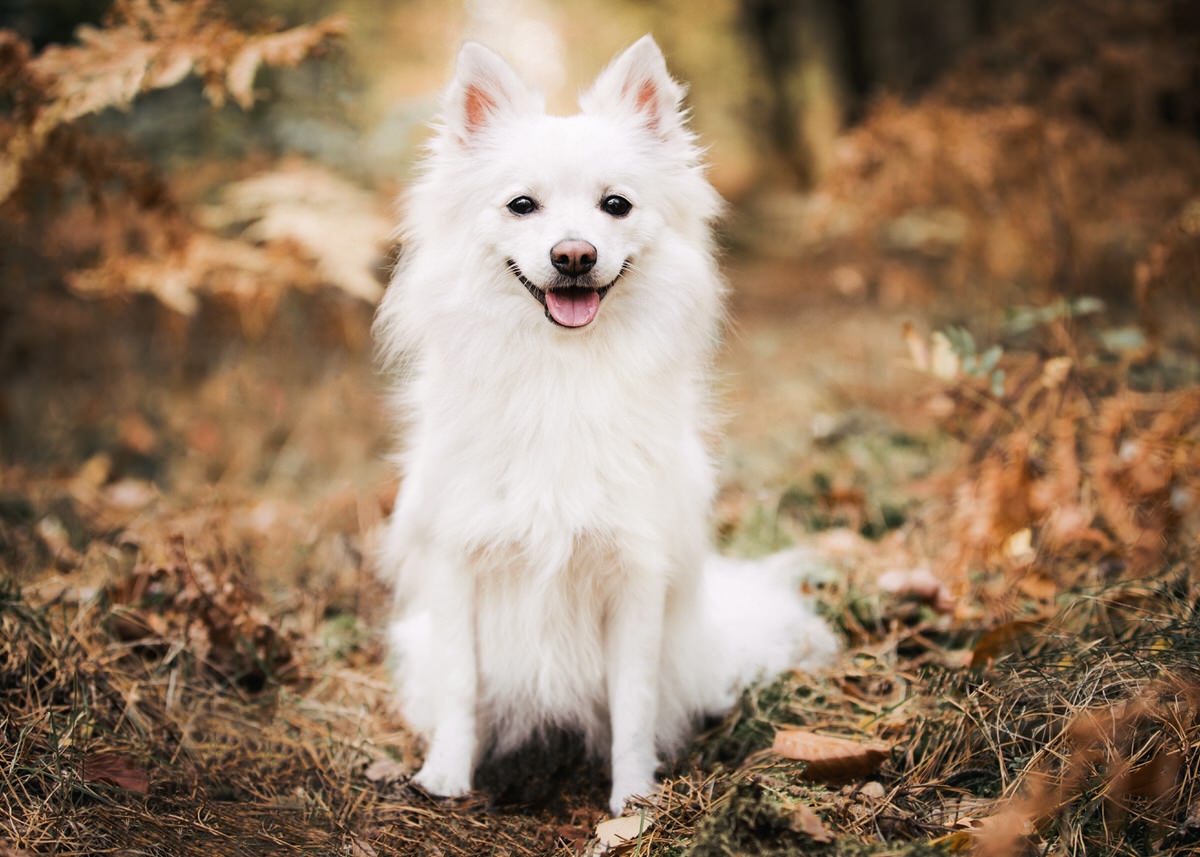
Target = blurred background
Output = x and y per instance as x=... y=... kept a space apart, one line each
x=962 y=360
x=198 y=200
x=772 y=83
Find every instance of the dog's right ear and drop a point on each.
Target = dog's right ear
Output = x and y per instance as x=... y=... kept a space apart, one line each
x=484 y=90
x=637 y=84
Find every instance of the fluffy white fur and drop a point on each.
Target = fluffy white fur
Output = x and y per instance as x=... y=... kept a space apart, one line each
x=549 y=542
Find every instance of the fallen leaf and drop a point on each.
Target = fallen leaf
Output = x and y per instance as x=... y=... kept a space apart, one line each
x=804 y=819
x=53 y=534
x=115 y=769
x=829 y=757
x=1018 y=547
x=943 y=362
x=1037 y=586
x=575 y=835
x=137 y=434
x=129 y=494
x=1156 y=777
x=618 y=831
x=873 y=790
x=94 y=472
x=1000 y=641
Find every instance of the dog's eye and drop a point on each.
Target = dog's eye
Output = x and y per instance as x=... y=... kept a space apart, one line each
x=522 y=205
x=616 y=206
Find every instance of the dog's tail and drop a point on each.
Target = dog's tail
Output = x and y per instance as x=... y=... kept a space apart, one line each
x=763 y=622
x=756 y=625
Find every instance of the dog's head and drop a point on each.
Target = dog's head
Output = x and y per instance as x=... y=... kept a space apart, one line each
x=569 y=209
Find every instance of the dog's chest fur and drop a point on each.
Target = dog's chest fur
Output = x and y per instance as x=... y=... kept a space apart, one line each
x=542 y=451
x=540 y=642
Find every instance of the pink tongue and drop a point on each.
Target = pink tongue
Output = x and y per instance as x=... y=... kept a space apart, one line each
x=573 y=307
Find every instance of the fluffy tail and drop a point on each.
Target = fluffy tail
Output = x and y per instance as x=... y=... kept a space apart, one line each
x=755 y=625
x=764 y=625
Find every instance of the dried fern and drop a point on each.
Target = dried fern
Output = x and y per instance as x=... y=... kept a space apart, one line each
x=145 y=45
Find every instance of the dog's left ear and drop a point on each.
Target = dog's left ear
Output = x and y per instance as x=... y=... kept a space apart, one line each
x=637 y=82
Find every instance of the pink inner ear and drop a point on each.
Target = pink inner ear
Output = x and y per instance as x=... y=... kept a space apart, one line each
x=476 y=107
x=646 y=102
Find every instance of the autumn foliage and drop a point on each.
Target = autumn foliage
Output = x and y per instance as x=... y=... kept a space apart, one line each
x=139 y=234
x=146 y=45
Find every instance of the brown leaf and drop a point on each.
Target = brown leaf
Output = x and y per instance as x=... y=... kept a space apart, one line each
x=53 y=534
x=281 y=49
x=115 y=769
x=574 y=835
x=1037 y=586
x=137 y=434
x=829 y=757
x=1000 y=641
x=804 y=819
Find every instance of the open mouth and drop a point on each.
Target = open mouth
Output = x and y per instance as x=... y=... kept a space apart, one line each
x=568 y=306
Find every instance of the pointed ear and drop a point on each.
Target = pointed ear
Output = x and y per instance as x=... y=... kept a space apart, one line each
x=484 y=89
x=637 y=82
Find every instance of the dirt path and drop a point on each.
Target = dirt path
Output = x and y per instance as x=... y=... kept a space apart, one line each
x=799 y=366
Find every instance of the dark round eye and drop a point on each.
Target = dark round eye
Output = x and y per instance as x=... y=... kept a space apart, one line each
x=522 y=205
x=616 y=206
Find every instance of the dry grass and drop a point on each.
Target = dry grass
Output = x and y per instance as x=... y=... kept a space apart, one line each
x=1077 y=736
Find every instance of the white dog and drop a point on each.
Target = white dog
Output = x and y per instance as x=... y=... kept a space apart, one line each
x=556 y=310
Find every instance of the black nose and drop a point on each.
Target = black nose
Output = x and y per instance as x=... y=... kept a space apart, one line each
x=573 y=258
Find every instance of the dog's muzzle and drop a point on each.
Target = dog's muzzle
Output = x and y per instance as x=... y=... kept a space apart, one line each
x=567 y=305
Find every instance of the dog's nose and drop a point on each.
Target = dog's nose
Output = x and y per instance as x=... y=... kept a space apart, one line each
x=572 y=257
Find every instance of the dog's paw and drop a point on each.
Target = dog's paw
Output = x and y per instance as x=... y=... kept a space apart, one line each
x=449 y=763
x=440 y=782
x=624 y=790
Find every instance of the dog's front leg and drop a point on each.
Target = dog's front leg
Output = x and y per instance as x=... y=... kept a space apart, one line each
x=633 y=642
x=450 y=758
